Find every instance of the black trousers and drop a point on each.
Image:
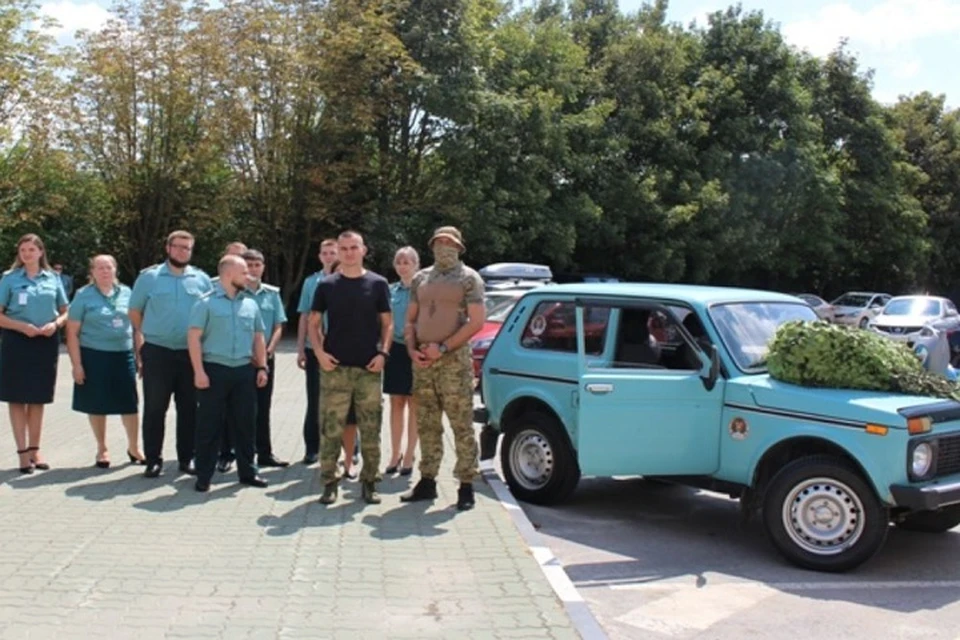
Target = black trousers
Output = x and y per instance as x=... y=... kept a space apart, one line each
x=311 y=421
x=264 y=404
x=167 y=372
x=230 y=402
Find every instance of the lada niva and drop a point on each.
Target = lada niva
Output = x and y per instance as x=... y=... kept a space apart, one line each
x=669 y=381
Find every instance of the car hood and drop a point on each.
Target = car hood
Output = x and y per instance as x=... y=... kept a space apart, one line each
x=851 y=405
x=902 y=321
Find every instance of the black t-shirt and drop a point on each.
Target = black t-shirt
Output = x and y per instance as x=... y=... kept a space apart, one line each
x=353 y=307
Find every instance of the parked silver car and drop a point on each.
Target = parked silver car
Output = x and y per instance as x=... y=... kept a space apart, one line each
x=908 y=318
x=858 y=308
x=821 y=307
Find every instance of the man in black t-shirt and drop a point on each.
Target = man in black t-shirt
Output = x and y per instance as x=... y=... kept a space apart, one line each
x=351 y=353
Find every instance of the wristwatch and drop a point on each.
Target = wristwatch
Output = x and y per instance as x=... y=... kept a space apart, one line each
x=386 y=356
x=442 y=348
x=264 y=369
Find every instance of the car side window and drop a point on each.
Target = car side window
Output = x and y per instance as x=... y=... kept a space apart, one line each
x=553 y=327
x=652 y=339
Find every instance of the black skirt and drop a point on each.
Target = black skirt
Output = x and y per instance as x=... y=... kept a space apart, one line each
x=398 y=372
x=28 y=368
x=110 y=384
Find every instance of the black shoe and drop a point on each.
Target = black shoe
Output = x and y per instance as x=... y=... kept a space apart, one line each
x=188 y=468
x=392 y=469
x=329 y=493
x=369 y=493
x=202 y=486
x=102 y=464
x=406 y=471
x=154 y=469
x=465 y=500
x=426 y=489
x=310 y=458
x=271 y=461
x=134 y=459
x=255 y=481
x=224 y=465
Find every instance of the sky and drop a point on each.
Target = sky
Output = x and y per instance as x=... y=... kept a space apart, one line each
x=911 y=45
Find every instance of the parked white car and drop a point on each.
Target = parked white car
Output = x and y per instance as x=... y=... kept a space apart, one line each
x=821 y=307
x=858 y=308
x=908 y=318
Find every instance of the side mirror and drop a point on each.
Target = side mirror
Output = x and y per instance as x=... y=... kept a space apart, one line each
x=711 y=370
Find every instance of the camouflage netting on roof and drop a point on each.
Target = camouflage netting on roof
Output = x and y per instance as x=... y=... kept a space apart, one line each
x=818 y=354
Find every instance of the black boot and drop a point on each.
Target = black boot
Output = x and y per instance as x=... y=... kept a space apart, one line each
x=329 y=493
x=426 y=489
x=369 y=492
x=465 y=496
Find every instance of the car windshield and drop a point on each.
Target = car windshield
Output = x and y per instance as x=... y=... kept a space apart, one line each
x=500 y=311
x=747 y=328
x=494 y=300
x=853 y=300
x=912 y=307
x=812 y=300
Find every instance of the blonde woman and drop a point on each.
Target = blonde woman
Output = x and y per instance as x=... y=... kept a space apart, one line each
x=33 y=308
x=100 y=343
x=398 y=372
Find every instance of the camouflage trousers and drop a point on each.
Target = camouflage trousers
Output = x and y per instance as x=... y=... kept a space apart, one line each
x=446 y=387
x=337 y=389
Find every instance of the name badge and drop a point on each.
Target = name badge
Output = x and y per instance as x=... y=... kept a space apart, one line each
x=22 y=298
x=117 y=323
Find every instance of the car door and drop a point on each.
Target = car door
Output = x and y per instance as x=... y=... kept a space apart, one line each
x=639 y=417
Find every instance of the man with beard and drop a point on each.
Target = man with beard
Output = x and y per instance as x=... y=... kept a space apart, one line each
x=228 y=354
x=160 y=305
x=445 y=310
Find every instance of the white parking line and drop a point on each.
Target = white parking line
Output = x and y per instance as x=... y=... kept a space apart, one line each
x=787 y=586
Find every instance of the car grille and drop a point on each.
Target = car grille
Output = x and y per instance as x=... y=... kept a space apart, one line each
x=898 y=330
x=948 y=455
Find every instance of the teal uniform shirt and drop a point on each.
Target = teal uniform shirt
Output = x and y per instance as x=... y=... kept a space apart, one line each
x=399 y=301
x=104 y=323
x=306 y=299
x=165 y=300
x=271 y=306
x=36 y=300
x=229 y=327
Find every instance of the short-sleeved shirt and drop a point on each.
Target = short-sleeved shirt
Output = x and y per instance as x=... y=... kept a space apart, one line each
x=442 y=298
x=271 y=305
x=104 y=323
x=307 y=292
x=353 y=307
x=165 y=299
x=35 y=300
x=399 y=301
x=229 y=327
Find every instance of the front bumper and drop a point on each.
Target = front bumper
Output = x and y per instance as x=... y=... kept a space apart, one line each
x=926 y=498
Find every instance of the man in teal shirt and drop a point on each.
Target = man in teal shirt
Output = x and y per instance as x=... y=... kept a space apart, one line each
x=229 y=359
x=160 y=306
x=274 y=316
x=306 y=359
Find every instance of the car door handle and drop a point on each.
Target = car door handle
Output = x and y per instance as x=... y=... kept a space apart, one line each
x=599 y=388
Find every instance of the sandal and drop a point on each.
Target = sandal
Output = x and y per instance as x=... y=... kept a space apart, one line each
x=42 y=466
x=29 y=467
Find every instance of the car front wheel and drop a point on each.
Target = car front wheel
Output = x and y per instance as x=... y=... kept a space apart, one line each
x=864 y=322
x=538 y=463
x=821 y=515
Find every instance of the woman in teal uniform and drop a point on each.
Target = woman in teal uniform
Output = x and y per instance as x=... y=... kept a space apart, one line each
x=33 y=307
x=100 y=342
x=398 y=372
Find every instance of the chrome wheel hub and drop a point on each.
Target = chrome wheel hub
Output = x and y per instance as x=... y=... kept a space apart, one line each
x=531 y=459
x=823 y=516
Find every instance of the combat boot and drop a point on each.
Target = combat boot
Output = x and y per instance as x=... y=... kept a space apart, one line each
x=329 y=493
x=465 y=496
x=426 y=489
x=369 y=493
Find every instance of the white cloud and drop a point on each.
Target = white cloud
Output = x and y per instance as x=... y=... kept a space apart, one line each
x=887 y=26
x=74 y=16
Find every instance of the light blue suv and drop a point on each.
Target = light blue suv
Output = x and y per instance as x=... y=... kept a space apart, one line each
x=669 y=381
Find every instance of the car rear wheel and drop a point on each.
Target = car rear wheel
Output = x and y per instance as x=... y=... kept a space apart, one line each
x=931 y=521
x=864 y=322
x=820 y=514
x=539 y=465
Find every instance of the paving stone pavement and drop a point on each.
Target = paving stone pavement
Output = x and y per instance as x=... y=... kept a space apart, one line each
x=87 y=552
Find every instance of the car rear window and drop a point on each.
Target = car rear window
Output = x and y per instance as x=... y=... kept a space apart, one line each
x=553 y=327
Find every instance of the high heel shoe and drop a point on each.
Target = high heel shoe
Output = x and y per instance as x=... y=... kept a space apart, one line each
x=28 y=468
x=42 y=466
x=135 y=460
x=101 y=464
x=393 y=468
x=406 y=471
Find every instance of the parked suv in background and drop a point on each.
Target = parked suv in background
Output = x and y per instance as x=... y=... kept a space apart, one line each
x=670 y=381
x=911 y=319
x=858 y=308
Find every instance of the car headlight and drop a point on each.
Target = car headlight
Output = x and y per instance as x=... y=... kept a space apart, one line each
x=482 y=344
x=921 y=461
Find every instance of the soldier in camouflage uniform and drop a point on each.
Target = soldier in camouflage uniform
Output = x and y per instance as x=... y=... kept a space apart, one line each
x=446 y=310
x=351 y=351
